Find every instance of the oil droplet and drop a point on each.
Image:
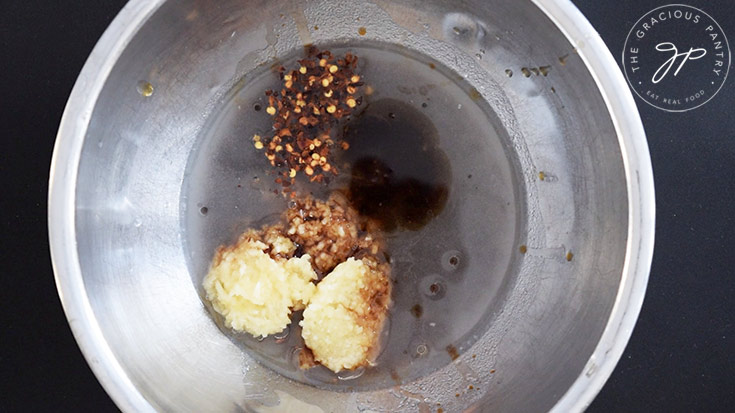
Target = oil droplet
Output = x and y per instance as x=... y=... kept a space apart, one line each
x=422 y=350
x=203 y=210
x=452 y=351
x=451 y=260
x=526 y=72
x=433 y=287
x=544 y=70
x=417 y=310
x=563 y=60
x=145 y=88
x=351 y=374
x=293 y=356
x=523 y=249
x=509 y=72
x=362 y=31
x=137 y=223
x=394 y=375
x=193 y=15
x=475 y=94
x=257 y=107
x=541 y=175
x=569 y=256
x=280 y=337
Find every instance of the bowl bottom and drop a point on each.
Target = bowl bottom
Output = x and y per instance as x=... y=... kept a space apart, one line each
x=424 y=123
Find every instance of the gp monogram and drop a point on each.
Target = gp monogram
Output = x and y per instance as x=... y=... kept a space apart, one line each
x=676 y=57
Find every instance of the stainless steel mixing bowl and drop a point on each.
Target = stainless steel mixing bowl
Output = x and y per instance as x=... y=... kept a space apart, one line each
x=556 y=228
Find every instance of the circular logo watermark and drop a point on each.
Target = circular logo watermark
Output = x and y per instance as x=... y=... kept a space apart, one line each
x=676 y=57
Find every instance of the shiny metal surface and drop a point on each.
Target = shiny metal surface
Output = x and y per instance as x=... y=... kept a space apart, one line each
x=120 y=165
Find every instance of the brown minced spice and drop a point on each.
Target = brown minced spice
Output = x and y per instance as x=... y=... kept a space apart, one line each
x=315 y=96
x=330 y=231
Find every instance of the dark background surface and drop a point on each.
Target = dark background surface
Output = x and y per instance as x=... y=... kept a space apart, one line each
x=681 y=356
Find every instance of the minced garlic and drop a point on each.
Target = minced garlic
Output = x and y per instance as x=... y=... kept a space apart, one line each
x=256 y=283
x=256 y=291
x=344 y=319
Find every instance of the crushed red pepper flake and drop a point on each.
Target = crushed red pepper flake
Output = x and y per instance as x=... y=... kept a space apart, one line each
x=314 y=97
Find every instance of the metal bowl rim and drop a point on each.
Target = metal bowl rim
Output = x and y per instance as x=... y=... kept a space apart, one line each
x=568 y=19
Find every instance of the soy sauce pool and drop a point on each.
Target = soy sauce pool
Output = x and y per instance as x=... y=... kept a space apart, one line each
x=399 y=175
x=431 y=154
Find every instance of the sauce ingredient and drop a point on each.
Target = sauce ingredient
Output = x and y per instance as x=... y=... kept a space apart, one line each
x=400 y=177
x=267 y=274
x=315 y=96
x=256 y=283
x=345 y=317
x=327 y=257
x=330 y=231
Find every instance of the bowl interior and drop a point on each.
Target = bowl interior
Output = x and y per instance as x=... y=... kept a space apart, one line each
x=537 y=213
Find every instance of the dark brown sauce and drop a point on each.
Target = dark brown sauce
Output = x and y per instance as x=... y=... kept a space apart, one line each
x=452 y=351
x=399 y=176
x=394 y=375
x=417 y=310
